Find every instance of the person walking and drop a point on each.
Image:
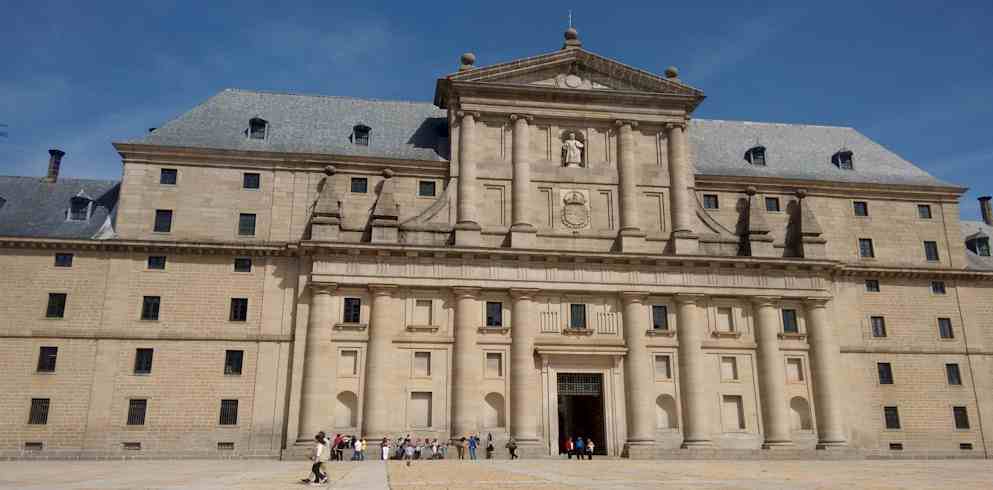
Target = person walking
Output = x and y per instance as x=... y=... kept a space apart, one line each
x=589 y=448
x=580 y=448
x=317 y=457
x=473 y=443
x=512 y=448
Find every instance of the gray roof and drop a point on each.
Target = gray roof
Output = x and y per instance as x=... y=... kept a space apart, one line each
x=31 y=207
x=968 y=229
x=798 y=151
x=309 y=124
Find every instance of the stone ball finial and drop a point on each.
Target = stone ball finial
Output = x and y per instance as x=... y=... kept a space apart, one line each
x=751 y=190
x=672 y=72
x=388 y=173
x=468 y=59
x=801 y=193
x=330 y=170
x=571 y=34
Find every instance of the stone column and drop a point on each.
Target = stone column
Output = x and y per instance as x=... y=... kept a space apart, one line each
x=639 y=377
x=525 y=412
x=316 y=394
x=466 y=364
x=632 y=239
x=693 y=371
x=772 y=374
x=522 y=232
x=825 y=365
x=681 y=185
x=378 y=366
x=467 y=229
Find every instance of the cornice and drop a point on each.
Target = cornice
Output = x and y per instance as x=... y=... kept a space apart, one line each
x=113 y=245
x=911 y=192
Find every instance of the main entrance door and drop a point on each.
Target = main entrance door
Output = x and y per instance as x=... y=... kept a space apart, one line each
x=580 y=409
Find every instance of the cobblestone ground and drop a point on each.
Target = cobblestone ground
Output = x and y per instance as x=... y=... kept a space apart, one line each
x=536 y=474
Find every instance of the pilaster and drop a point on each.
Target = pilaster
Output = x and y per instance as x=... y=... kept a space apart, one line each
x=522 y=232
x=524 y=404
x=384 y=318
x=467 y=229
x=631 y=236
x=692 y=371
x=316 y=393
x=466 y=363
x=640 y=385
x=772 y=374
x=825 y=362
x=681 y=182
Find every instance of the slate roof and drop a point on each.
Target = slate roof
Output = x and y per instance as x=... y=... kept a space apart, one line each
x=968 y=229
x=34 y=208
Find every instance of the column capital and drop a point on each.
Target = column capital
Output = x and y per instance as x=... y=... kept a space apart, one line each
x=523 y=117
x=521 y=293
x=474 y=114
x=382 y=289
x=633 y=296
x=689 y=298
x=466 y=292
x=816 y=301
x=765 y=300
x=624 y=122
x=673 y=125
x=323 y=287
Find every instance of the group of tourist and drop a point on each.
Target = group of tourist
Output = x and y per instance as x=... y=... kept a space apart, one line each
x=579 y=447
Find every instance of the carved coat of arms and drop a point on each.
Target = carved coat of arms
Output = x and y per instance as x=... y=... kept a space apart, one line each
x=575 y=212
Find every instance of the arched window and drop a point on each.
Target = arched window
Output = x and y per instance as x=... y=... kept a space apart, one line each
x=360 y=134
x=665 y=412
x=755 y=155
x=800 y=414
x=843 y=160
x=257 y=128
x=346 y=410
x=494 y=413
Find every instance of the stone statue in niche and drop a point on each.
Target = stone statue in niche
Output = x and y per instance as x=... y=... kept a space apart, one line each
x=572 y=151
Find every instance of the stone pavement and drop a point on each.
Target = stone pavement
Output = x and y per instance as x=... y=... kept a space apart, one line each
x=534 y=474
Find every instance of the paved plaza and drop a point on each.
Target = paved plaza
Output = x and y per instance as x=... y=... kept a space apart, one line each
x=538 y=474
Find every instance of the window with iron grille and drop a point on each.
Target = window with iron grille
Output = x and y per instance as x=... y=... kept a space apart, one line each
x=47 y=356
x=56 y=305
x=229 y=412
x=660 y=317
x=861 y=208
x=938 y=287
x=878 y=324
x=710 y=201
x=353 y=310
x=232 y=362
x=953 y=374
x=577 y=316
x=961 y=416
x=931 y=251
x=872 y=285
x=251 y=180
x=885 y=371
x=924 y=211
x=163 y=221
x=772 y=204
x=63 y=260
x=580 y=384
x=167 y=176
x=494 y=314
x=143 y=361
x=243 y=264
x=156 y=262
x=246 y=224
x=866 y=250
x=426 y=188
x=150 y=307
x=239 y=310
x=136 y=411
x=789 y=321
x=360 y=185
x=945 y=328
x=892 y=417
x=360 y=135
x=39 y=411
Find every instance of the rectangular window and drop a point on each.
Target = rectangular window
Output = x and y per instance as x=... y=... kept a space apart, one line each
x=660 y=317
x=710 y=201
x=229 y=412
x=167 y=176
x=246 y=224
x=577 y=316
x=239 y=310
x=242 y=264
x=965 y=446
x=420 y=409
x=945 y=328
x=724 y=321
x=892 y=417
x=790 y=324
x=954 y=376
x=233 y=360
x=39 y=411
x=136 y=411
x=924 y=211
x=150 y=307
x=866 y=250
x=663 y=367
x=63 y=260
x=143 y=361
x=56 y=305
x=163 y=221
x=251 y=180
x=422 y=364
x=794 y=370
x=772 y=204
x=494 y=314
x=422 y=312
x=885 y=373
x=79 y=209
x=131 y=446
x=878 y=325
x=931 y=251
x=896 y=446
x=426 y=188
x=734 y=413
x=47 y=356
x=353 y=310
x=872 y=285
x=861 y=208
x=494 y=365
x=38 y=446
x=961 y=417
x=348 y=363
x=156 y=262
x=360 y=185
x=729 y=368
x=225 y=446
x=938 y=287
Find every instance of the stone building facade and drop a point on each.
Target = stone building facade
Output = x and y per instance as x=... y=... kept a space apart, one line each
x=552 y=248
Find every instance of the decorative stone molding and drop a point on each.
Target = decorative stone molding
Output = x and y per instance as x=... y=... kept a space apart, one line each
x=526 y=117
x=464 y=292
x=689 y=298
x=322 y=288
x=658 y=332
x=585 y=332
x=493 y=330
x=382 y=289
x=423 y=328
x=792 y=336
x=523 y=294
x=351 y=327
x=633 y=296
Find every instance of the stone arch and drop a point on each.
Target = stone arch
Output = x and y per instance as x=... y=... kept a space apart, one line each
x=800 y=414
x=346 y=410
x=665 y=412
x=493 y=415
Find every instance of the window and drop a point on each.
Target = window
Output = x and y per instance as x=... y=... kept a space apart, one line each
x=38 y=446
x=663 y=367
x=360 y=185
x=861 y=208
x=842 y=159
x=39 y=411
x=131 y=446
x=136 y=411
x=422 y=364
x=729 y=368
x=360 y=134
x=794 y=370
x=167 y=176
x=660 y=317
x=494 y=314
x=225 y=446
x=710 y=201
x=885 y=373
x=420 y=409
x=577 y=316
x=945 y=328
x=954 y=376
x=931 y=251
x=251 y=180
x=426 y=188
x=242 y=264
x=938 y=287
x=896 y=446
x=163 y=221
x=755 y=155
x=772 y=204
x=46 y=359
x=63 y=260
x=724 y=319
x=872 y=285
x=892 y=417
x=979 y=246
x=878 y=325
x=961 y=416
x=143 y=361
x=353 y=310
x=924 y=211
x=79 y=209
x=348 y=363
x=734 y=413
x=229 y=412
x=239 y=310
x=257 y=128
x=232 y=362
x=423 y=314
x=56 y=305
x=150 y=307
x=965 y=446
x=494 y=365
x=866 y=250
x=156 y=262
x=246 y=224
x=789 y=322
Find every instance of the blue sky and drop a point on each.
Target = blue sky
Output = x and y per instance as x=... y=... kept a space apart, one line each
x=915 y=76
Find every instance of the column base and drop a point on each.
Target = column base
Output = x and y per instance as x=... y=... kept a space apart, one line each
x=639 y=450
x=468 y=234
x=523 y=235
x=685 y=243
x=632 y=240
x=776 y=445
x=530 y=449
x=697 y=444
x=832 y=446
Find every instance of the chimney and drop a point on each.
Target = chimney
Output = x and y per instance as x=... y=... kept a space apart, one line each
x=984 y=207
x=54 y=162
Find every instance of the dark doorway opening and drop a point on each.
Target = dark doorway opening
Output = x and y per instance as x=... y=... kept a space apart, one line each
x=580 y=409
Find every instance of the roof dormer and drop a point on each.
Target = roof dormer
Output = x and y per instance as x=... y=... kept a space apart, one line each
x=755 y=155
x=80 y=207
x=843 y=159
x=258 y=128
x=360 y=134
